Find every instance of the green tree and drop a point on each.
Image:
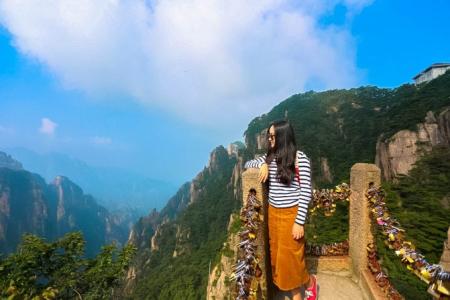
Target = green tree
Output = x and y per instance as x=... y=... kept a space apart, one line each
x=42 y=270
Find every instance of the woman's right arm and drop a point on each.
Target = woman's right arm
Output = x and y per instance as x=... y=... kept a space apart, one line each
x=255 y=163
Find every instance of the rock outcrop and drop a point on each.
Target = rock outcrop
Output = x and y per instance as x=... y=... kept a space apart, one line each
x=397 y=154
x=219 y=283
x=261 y=140
x=29 y=205
x=325 y=170
x=6 y=161
x=164 y=231
x=235 y=181
x=234 y=148
x=182 y=245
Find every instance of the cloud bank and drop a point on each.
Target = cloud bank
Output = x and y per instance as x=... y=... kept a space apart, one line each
x=208 y=61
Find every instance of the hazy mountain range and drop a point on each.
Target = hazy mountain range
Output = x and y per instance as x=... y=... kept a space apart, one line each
x=114 y=188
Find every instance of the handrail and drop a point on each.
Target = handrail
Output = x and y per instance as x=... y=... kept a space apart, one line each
x=325 y=199
x=432 y=274
x=360 y=244
x=247 y=272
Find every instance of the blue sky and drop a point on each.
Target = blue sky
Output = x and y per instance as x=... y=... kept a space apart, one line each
x=155 y=89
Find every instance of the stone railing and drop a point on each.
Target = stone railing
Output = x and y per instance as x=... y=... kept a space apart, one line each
x=360 y=234
x=251 y=184
x=353 y=265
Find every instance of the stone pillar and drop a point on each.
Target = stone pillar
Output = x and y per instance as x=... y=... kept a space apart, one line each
x=445 y=258
x=250 y=181
x=361 y=175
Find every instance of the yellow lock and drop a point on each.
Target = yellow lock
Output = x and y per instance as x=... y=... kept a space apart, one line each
x=252 y=236
x=425 y=273
x=442 y=289
x=391 y=237
x=400 y=252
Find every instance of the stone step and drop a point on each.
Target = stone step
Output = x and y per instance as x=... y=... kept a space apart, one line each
x=331 y=287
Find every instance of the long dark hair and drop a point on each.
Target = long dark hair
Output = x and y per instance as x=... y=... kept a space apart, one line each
x=284 y=152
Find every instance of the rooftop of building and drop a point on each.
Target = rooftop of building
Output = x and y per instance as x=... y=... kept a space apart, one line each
x=433 y=66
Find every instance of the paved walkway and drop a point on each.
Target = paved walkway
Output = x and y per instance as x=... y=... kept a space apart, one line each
x=332 y=287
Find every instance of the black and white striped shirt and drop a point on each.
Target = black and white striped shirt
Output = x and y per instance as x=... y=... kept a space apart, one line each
x=283 y=195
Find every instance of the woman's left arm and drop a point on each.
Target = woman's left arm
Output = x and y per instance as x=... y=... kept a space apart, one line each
x=305 y=187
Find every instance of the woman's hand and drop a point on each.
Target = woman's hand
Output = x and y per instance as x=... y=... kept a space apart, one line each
x=297 y=231
x=263 y=172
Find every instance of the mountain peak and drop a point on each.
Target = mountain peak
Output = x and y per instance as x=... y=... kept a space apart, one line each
x=6 y=161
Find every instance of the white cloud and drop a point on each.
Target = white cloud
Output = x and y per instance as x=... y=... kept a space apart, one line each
x=101 y=140
x=206 y=60
x=48 y=127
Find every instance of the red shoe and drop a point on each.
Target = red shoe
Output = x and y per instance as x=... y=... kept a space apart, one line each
x=311 y=292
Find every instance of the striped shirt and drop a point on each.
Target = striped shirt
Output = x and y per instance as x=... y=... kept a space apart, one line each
x=283 y=195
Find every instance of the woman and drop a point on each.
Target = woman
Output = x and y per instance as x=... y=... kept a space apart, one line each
x=289 y=196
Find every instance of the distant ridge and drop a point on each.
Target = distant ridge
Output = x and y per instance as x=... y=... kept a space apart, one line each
x=113 y=187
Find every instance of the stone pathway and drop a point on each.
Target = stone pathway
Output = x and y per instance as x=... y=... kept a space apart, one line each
x=332 y=287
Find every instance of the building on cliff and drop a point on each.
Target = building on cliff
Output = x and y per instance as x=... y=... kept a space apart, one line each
x=432 y=72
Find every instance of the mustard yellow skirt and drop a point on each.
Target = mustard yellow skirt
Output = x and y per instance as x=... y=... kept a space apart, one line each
x=287 y=256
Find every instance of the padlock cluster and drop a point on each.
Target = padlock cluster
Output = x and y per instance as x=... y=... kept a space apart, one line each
x=433 y=274
x=247 y=271
x=324 y=200
x=334 y=249
x=380 y=277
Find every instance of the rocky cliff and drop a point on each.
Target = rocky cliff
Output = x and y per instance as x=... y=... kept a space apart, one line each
x=26 y=204
x=145 y=232
x=113 y=188
x=6 y=161
x=219 y=282
x=29 y=205
x=182 y=240
x=397 y=154
x=78 y=211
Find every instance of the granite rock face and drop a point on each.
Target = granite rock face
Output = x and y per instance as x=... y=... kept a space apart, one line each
x=325 y=170
x=151 y=233
x=219 y=283
x=398 y=153
x=29 y=205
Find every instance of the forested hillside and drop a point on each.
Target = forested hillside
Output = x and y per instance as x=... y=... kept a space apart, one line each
x=342 y=126
x=177 y=267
